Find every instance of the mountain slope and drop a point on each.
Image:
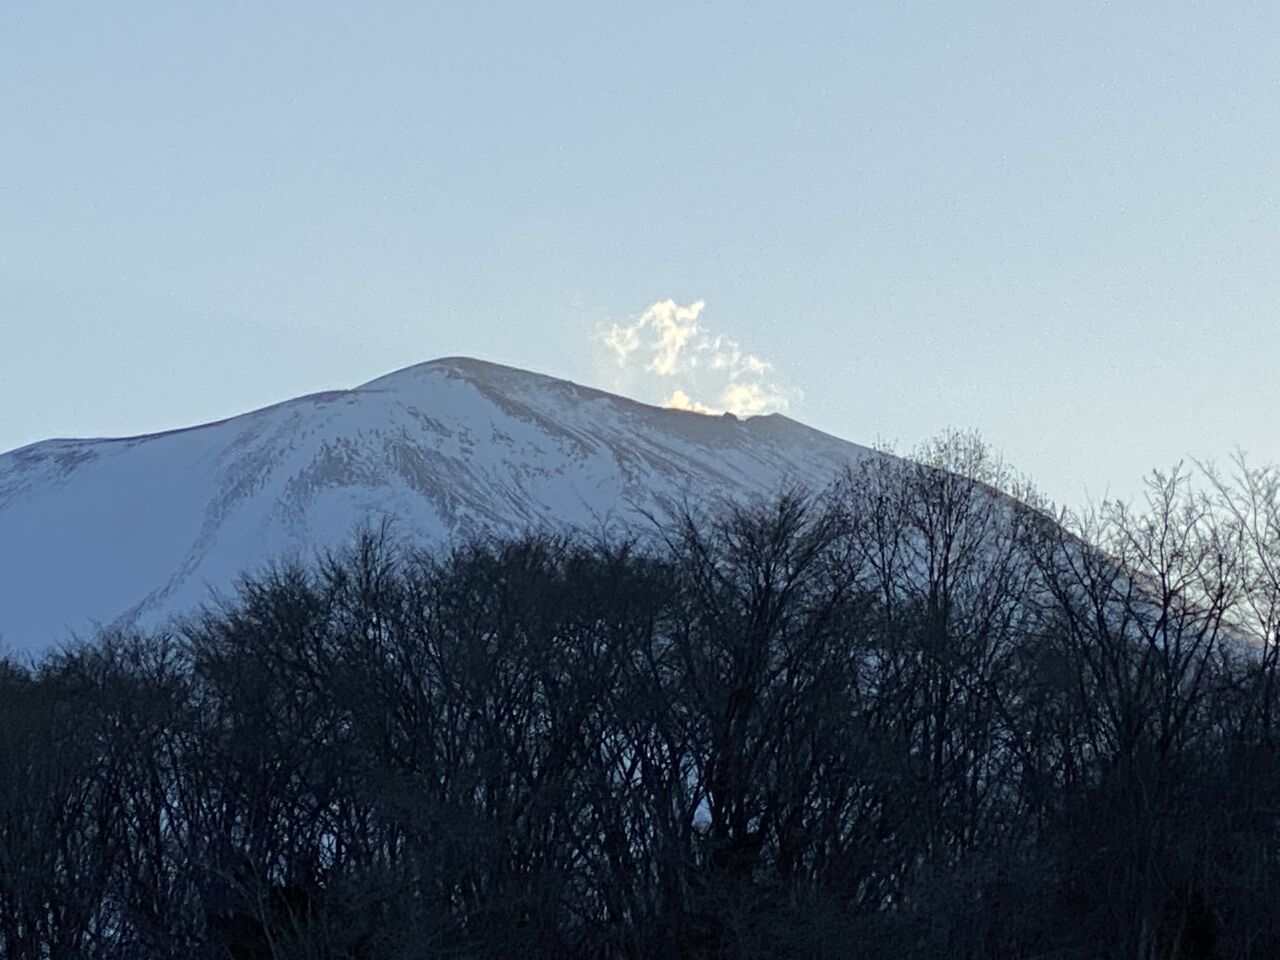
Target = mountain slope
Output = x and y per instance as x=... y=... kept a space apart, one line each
x=102 y=531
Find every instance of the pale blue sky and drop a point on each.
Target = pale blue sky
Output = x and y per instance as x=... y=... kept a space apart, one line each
x=1054 y=222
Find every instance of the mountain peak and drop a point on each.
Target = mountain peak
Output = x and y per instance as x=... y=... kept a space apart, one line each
x=492 y=378
x=464 y=366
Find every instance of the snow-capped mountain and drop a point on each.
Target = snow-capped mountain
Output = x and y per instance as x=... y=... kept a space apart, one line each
x=103 y=531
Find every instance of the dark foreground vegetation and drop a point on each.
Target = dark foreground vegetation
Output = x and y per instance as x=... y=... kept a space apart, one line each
x=902 y=719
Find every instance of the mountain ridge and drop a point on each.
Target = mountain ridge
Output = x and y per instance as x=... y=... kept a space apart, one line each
x=134 y=529
x=439 y=362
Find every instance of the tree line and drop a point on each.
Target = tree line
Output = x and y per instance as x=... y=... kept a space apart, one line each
x=915 y=714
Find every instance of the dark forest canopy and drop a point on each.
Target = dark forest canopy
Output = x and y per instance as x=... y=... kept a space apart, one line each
x=901 y=718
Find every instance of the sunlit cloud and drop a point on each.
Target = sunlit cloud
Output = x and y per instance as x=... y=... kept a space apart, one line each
x=703 y=372
x=670 y=327
x=749 y=399
x=679 y=400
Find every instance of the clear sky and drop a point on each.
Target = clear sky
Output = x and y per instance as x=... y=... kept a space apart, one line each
x=1054 y=222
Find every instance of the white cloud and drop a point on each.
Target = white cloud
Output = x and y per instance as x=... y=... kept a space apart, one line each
x=749 y=399
x=675 y=326
x=670 y=326
x=670 y=342
x=623 y=341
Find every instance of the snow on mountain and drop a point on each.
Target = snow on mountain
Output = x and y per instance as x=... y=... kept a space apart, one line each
x=107 y=531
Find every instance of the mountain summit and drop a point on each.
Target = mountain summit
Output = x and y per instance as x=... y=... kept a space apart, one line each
x=139 y=528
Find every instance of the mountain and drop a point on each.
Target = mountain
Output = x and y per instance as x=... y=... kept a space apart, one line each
x=140 y=528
